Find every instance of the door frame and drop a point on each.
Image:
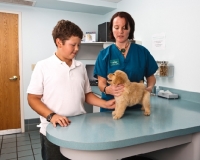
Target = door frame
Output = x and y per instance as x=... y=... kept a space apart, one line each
x=20 y=65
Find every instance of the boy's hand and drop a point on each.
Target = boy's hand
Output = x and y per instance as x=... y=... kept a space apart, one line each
x=62 y=120
x=110 y=104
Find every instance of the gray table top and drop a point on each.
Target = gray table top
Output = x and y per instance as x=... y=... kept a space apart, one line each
x=98 y=131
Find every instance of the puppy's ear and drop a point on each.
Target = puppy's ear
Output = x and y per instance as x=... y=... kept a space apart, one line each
x=119 y=80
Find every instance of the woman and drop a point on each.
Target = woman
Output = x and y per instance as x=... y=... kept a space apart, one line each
x=123 y=55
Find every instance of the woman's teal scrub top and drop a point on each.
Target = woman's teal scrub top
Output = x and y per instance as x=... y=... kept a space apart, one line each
x=139 y=63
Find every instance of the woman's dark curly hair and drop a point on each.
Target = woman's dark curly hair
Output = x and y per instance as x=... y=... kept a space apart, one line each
x=64 y=30
x=129 y=21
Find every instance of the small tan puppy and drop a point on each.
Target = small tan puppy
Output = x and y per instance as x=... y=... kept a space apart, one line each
x=134 y=93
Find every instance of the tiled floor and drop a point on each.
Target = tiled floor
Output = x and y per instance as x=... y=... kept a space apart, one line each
x=23 y=146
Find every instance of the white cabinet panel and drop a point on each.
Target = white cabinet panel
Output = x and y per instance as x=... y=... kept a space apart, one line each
x=95 y=108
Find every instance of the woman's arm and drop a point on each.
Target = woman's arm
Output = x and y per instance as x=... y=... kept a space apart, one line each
x=151 y=81
x=102 y=83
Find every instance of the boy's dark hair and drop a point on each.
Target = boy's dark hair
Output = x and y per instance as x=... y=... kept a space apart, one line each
x=65 y=29
x=129 y=20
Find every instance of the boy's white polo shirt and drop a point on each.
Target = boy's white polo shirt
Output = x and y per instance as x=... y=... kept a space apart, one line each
x=63 y=87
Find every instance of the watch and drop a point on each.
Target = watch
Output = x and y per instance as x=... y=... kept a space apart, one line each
x=49 y=117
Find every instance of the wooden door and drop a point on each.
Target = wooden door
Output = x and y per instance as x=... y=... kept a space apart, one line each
x=9 y=67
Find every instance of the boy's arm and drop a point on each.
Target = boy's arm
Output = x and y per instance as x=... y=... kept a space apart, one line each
x=37 y=105
x=92 y=99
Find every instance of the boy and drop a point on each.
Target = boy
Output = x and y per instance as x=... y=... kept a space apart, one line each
x=59 y=86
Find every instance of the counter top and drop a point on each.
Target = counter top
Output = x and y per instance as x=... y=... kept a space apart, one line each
x=98 y=131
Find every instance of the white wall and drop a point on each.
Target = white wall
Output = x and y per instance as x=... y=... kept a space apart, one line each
x=180 y=21
x=37 y=42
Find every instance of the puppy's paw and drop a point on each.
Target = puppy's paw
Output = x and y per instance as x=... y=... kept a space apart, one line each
x=116 y=117
x=147 y=113
x=142 y=108
x=113 y=113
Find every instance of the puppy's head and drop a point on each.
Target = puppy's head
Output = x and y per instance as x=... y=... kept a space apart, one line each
x=118 y=77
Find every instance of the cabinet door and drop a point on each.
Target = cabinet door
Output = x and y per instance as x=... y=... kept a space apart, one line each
x=90 y=50
x=95 y=108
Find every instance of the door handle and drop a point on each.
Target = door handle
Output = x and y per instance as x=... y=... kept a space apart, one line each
x=13 y=78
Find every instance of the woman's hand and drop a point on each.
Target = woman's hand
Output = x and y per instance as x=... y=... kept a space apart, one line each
x=61 y=120
x=151 y=81
x=115 y=90
x=149 y=89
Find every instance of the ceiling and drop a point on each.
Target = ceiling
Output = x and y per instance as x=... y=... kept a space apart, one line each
x=86 y=6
